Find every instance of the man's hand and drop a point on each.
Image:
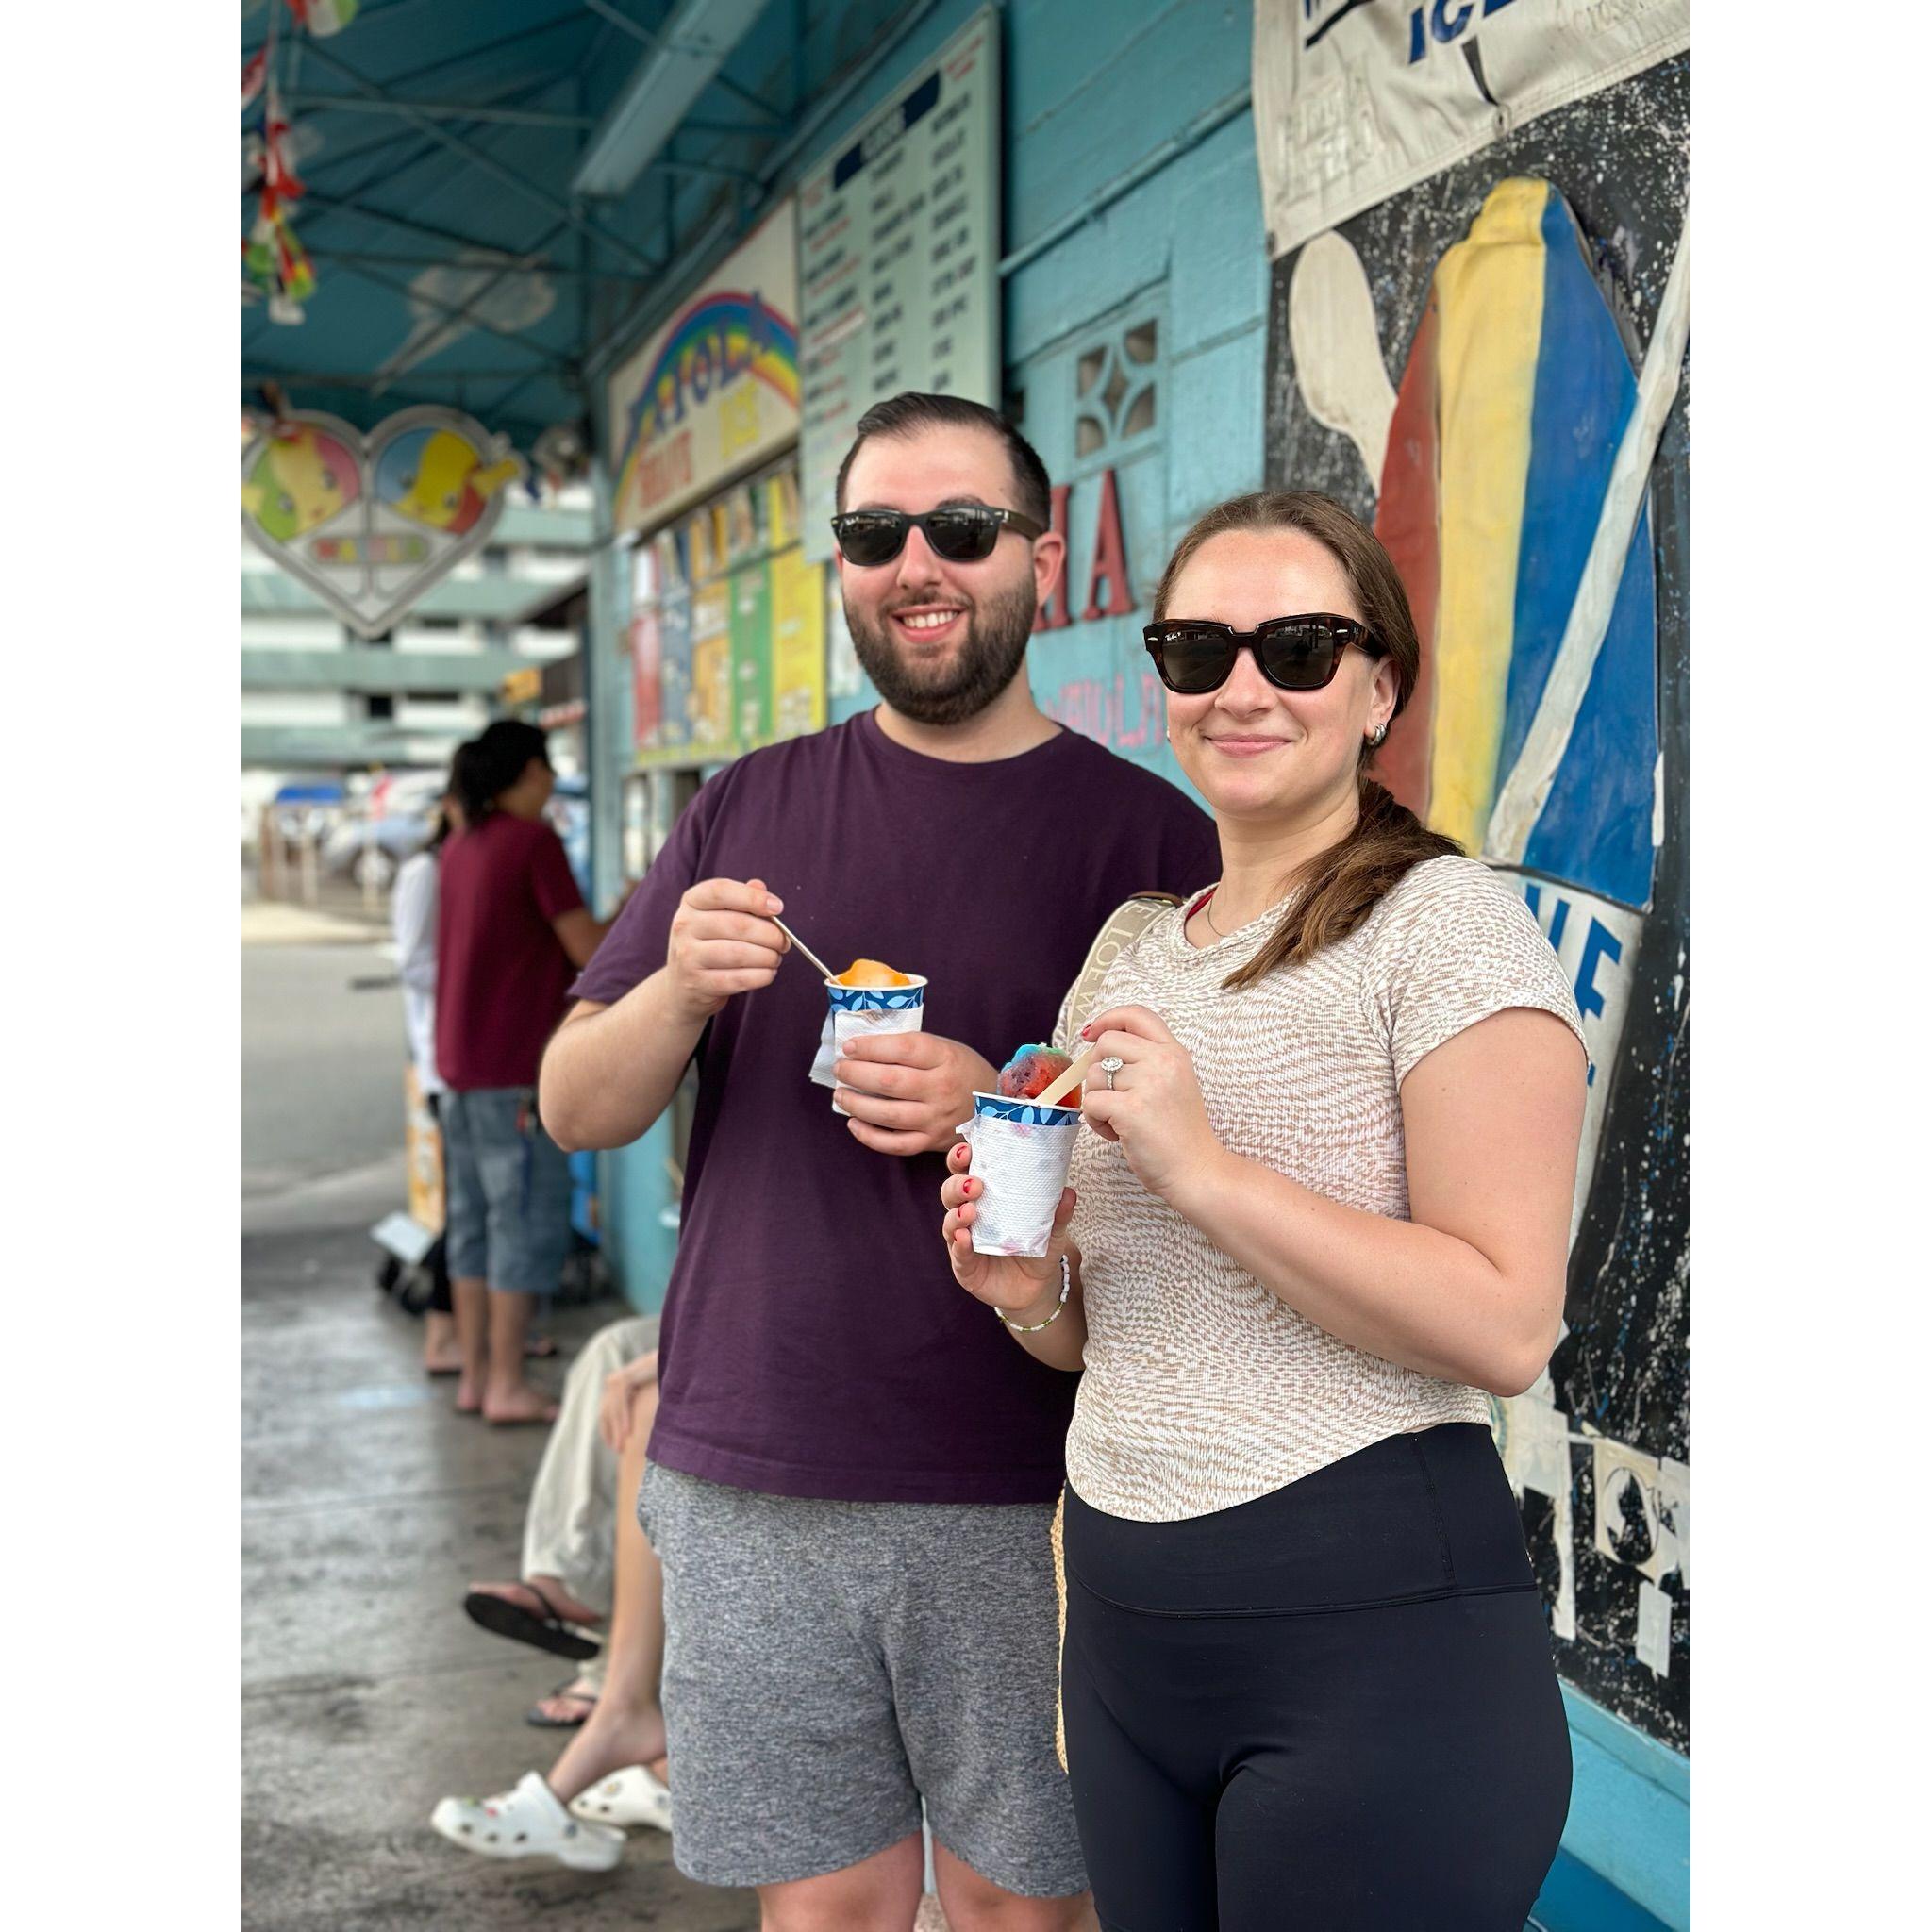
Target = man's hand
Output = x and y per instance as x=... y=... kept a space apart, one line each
x=906 y=1092
x=620 y=1392
x=723 y=942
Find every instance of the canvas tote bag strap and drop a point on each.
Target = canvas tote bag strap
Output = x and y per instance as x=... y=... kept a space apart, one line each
x=1124 y=924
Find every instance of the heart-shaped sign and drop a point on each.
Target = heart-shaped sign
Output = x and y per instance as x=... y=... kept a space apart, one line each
x=371 y=523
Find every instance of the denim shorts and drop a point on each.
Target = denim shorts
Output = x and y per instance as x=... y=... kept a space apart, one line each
x=508 y=1191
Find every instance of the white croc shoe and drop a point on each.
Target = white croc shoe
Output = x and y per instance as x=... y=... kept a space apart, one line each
x=527 y=1822
x=631 y=1796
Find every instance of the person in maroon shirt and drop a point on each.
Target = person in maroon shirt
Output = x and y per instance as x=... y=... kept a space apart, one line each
x=852 y=1471
x=511 y=928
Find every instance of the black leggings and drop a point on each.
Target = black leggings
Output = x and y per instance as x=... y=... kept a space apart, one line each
x=1330 y=1709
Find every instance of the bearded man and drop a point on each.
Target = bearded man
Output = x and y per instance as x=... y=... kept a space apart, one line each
x=852 y=1470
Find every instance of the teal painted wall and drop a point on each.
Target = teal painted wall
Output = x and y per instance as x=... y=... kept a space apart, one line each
x=1092 y=95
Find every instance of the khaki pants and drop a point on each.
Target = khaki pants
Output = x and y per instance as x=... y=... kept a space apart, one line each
x=569 y=1526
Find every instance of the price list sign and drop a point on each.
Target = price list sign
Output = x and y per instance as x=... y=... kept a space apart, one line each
x=898 y=261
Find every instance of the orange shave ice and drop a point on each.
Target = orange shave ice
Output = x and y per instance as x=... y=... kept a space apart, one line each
x=872 y=972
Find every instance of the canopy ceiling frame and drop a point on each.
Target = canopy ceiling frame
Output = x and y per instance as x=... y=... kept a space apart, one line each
x=474 y=176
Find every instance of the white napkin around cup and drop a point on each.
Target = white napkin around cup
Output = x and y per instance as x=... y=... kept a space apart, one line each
x=853 y=1010
x=1021 y=1151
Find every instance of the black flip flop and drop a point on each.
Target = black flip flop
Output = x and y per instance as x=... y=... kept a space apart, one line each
x=534 y=1716
x=502 y=1617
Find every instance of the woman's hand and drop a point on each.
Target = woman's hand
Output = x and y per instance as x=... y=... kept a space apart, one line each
x=1024 y=1288
x=614 y=1407
x=1154 y=1109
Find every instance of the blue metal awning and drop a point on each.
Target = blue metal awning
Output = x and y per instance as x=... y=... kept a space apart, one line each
x=450 y=157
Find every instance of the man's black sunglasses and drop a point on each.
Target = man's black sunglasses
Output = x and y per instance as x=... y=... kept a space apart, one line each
x=1194 y=656
x=962 y=533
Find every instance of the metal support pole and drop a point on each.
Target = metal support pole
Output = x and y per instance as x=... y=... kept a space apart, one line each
x=269 y=859
x=437 y=110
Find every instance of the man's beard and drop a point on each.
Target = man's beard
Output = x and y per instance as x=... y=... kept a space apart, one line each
x=986 y=662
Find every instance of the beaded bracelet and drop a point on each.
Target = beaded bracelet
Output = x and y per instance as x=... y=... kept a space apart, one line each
x=1066 y=1289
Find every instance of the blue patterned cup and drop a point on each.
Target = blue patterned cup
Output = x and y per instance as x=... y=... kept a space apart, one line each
x=1019 y=1154
x=853 y=1011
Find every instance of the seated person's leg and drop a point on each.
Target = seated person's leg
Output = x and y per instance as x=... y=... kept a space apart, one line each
x=568 y=1545
x=625 y=1729
x=627 y=1725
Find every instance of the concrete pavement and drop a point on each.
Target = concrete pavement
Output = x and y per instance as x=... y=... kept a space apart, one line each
x=368 y=1503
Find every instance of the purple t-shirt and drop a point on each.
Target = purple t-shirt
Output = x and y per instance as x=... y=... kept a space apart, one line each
x=813 y=1340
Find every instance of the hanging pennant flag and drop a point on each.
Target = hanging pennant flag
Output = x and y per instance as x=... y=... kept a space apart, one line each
x=272 y=260
x=324 y=17
x=277 y=266
x=254 y=72
x=278 y=178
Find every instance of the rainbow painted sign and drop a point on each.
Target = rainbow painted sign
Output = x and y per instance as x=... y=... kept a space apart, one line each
x=715 y=391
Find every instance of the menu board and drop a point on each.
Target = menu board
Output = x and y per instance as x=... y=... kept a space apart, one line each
x=898 y=261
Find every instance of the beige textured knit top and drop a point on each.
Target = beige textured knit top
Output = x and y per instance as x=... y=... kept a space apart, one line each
x=1202 y=1390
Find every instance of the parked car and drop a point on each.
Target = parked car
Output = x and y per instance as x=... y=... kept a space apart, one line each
x=370 y=850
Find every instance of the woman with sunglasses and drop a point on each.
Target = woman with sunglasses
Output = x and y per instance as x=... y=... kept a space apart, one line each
x=1306 y=1674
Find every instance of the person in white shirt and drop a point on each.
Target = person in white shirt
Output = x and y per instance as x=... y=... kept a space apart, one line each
x=412 y=920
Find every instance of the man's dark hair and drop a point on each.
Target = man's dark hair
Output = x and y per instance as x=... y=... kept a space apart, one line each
x=909 y=413
x=492 y=763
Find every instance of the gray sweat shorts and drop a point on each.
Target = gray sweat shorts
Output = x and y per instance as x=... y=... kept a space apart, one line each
x=827 y=1665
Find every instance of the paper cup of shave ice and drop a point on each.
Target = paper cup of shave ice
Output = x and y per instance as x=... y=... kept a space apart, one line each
x=1020 y=1156
x=855 y=1011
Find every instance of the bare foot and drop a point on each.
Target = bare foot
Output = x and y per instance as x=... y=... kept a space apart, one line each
x=544 y=1596
x=576 y=1704
x=508 y=1408
x=444 y=1356
x=612 y=1737
x=469 y=1398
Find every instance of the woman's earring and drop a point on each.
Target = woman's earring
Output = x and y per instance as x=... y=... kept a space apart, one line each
x=1376 y=735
